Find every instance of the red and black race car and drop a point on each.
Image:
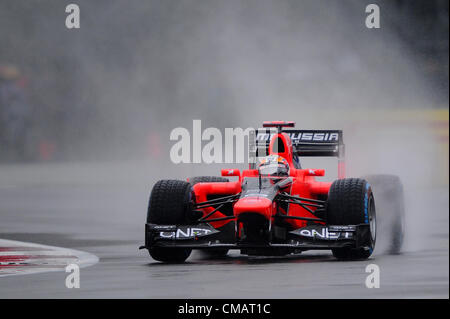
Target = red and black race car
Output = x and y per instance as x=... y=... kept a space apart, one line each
x=273 y=208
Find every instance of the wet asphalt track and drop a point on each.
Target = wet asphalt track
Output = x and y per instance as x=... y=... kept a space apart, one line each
x=101 y=209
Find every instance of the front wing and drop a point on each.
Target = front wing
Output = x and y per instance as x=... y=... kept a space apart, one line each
x=204 y=236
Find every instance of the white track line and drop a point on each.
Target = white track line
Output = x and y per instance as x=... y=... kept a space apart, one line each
x=20 y=258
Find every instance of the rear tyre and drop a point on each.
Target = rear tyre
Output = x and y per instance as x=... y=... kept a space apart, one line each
x=207 y=179
x=210 y=253
x=170 y=204
x=388 y=190
x=351 y=202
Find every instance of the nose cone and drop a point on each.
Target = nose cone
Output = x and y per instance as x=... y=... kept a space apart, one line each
x=258 y=204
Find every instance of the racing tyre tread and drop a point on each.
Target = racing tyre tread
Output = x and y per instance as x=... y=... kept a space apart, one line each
x=170 y=204
x=207 y=179
x=346 y=206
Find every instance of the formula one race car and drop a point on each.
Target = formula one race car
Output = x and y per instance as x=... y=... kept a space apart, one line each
x=274 y=208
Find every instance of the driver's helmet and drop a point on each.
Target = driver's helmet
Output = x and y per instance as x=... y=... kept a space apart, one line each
x=273 y=165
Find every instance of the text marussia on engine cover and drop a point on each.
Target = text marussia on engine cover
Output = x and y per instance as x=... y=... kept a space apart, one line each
x=263 y=214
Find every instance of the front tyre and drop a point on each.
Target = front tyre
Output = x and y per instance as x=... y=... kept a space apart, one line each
x=170 y=204
x=351 y=202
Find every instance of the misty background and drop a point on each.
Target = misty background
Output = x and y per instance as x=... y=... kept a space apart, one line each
x=136 y=70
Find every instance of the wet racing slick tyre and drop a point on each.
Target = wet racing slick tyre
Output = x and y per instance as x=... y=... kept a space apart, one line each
x=211 y=253
x=351 y=202
x=207 y=179
x=388 y=191
x=170 y=204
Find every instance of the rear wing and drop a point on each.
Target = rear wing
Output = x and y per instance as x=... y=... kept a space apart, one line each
x=317 y=143
x=320 y=143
